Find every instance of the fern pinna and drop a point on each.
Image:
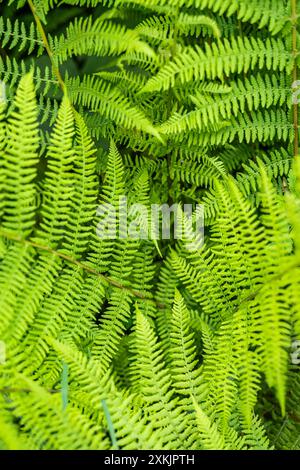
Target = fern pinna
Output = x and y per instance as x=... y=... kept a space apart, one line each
x=133 y=342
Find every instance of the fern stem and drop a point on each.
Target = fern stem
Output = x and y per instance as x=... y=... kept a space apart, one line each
x=24 y=390
x=46 y=45
x=83 y=266
x=295 y=53
x=113 y=282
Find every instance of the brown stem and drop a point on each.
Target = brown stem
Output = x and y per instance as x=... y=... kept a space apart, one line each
x=23 y=390
x=59 y=254
x=83 y=266
x=46 y=45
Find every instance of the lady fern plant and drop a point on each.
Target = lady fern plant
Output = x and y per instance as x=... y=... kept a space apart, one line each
x=131 y=342
x=176 y=84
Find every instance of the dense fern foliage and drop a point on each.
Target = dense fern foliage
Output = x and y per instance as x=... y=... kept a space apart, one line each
x=113 y=342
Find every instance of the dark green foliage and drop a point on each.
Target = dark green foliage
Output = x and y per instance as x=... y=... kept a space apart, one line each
x=136 y=343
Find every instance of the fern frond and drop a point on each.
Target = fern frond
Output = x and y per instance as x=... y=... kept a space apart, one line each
x=155 y=382
x=111 y=338
x=58 y=183
x=11 y=71
x=185 y=373
x=219 y=61
x=272 y=14
x=253 y=94
x=101 y=98
x=39 y=283
x=83 y=197
x=113 y=327
x=53 y=313
x=212 y=440
x=10 y=439
x=14 y=270
x=16 y=34
x=22 y=139
x=78 y=431
x=88 y=37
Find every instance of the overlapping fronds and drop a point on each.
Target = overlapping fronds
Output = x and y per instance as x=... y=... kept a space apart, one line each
x=113 y=336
